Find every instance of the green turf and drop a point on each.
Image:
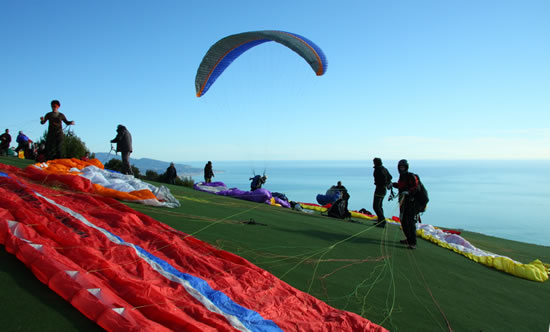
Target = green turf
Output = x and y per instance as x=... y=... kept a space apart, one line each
x=350 y=265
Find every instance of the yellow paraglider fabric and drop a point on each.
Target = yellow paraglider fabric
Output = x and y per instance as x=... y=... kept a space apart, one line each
x=536 y=270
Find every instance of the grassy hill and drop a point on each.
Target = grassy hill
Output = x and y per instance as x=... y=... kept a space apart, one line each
x=349 y=265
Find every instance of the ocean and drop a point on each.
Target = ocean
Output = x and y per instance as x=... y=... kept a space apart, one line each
x=506 y=199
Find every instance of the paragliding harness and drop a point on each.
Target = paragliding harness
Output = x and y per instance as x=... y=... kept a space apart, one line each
x=387 y=178
x=280 y=196
x=339 y=209
x=392 y=195
x=420 y=196
x=388 y=183
x=257 y=182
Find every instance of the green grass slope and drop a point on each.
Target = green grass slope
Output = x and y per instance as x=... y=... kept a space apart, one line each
x=350 y=265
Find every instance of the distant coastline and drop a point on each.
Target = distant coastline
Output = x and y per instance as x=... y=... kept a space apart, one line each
x=144 y=164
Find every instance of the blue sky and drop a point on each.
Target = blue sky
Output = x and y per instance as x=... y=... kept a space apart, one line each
x=405 y=79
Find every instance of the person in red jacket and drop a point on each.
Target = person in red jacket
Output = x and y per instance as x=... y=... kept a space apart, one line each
x=407 y=185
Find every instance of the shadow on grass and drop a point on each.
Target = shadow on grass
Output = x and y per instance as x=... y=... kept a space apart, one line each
x=333 y=237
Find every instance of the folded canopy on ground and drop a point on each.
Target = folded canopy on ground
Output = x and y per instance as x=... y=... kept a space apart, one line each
x=261 y=195
x=89 y=176
x=129 y=272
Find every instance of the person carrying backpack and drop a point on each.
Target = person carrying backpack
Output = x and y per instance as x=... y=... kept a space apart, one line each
x=408 y=185
x=382 y=182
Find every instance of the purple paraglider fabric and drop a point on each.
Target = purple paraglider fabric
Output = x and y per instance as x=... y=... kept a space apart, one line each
x=259 y=195
x=213 y=187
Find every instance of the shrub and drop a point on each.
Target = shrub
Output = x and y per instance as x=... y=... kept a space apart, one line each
x=185 y=181
x=152 y=176
x=73 y=146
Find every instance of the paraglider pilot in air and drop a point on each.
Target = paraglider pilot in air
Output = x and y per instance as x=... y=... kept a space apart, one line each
x=123 y=142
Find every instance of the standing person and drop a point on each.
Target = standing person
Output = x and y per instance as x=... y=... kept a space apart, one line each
x=54 y=140
x=171 y=174
x=5 y=140
x=407 y=185
x=382 y=180
x=208 y=172
x=123 y=142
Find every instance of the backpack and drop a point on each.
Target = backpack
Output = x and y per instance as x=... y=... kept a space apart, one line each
x=420 y=196
x=256 y=182
x=339 y=209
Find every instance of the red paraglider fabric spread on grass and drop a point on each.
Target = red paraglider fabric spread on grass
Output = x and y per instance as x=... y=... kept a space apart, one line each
x=127 y=271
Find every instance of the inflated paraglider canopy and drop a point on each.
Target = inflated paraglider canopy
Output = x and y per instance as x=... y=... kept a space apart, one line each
x=223 y=52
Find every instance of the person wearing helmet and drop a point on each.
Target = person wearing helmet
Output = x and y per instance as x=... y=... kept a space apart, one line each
x=382 y=180
x=407 y=185
x=257 y=182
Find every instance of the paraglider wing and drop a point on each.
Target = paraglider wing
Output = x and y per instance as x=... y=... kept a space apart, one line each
x=222 y=53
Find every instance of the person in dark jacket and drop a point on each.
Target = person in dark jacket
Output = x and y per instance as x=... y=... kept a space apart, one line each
x=123 y=142
x=257 y=182
x=54 y=139
x=5 y=140
x=208 y=172
x=171 y=174
x=382 y=180
x=407 y=185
